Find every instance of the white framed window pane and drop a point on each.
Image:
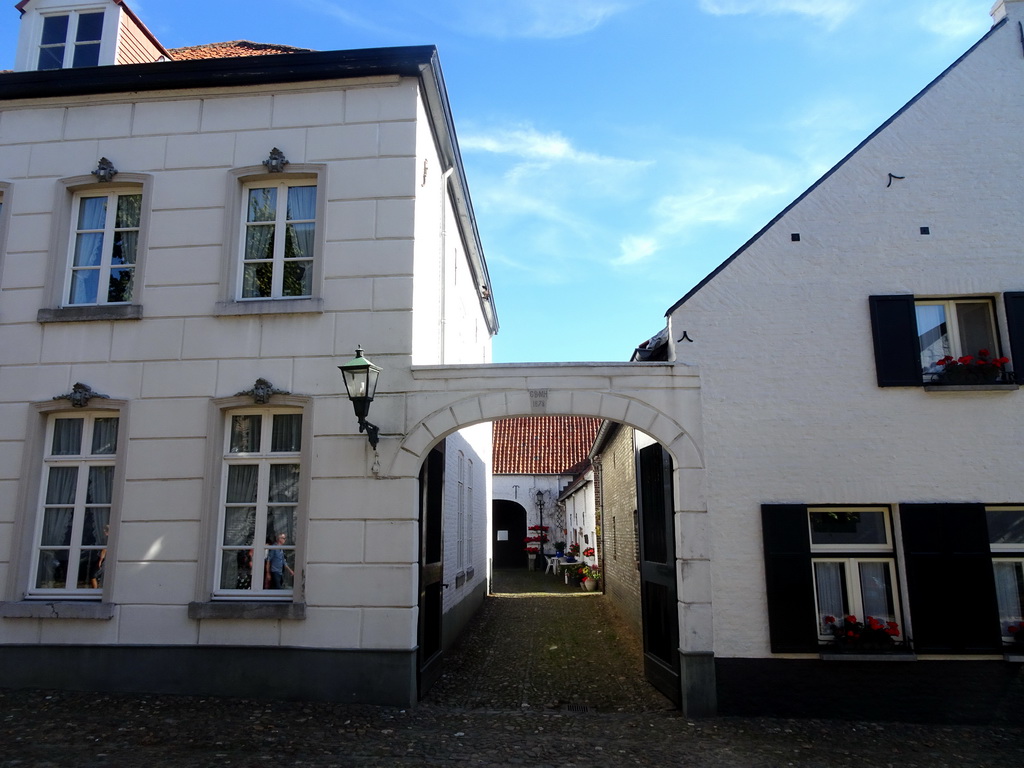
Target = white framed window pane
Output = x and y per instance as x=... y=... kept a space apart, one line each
x=242 y=483
x=246 y=430
x=129 y=212
x=301 y=203
x=284 y=483
x=84 y=286
x=104 y=436
x=239 y=526
x=850 y=529
x=61 y=485
x=1006 y=527
x=87 y=39
x=281 y=521
x=101 y=485
x=57 y=526
x=876 y=591
x=88 y=249
x=830 y=587
x=92 y=213
x=262 y=204
x=236 y=569
x=119 y=285
x=67 y=437
x=258 y=280
x=287 y=433
x=52 y=569
x=933 y=334
x=55 y=35
x=298 y=279
x=974 y=323
x=1009 y=575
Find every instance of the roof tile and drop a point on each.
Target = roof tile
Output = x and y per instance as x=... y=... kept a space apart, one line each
x=542 y=445
x=231 y=49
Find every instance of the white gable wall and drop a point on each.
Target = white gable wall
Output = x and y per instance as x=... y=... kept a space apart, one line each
x=792 y=411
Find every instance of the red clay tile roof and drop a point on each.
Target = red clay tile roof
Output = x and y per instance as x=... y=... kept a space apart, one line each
x=231 y=49
x=542 y=445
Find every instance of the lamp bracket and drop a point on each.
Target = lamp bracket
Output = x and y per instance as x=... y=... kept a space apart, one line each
x=372 y=432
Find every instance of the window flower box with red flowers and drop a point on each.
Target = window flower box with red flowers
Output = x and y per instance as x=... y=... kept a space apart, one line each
x=1016 y=631
x=869 y=636
x=971 y=370
x=588 y=552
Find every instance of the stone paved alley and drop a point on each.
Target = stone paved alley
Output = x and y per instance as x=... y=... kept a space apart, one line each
x=525 y=687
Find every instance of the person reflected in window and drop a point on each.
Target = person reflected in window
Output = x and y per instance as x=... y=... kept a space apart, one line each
x=275 y=565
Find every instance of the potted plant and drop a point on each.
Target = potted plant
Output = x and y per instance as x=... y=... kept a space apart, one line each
x=573 y=573
x=869 y=635
x=590 y=576
x=574 y=549
x=559 y=549
x=971 y=369
x=588 y=552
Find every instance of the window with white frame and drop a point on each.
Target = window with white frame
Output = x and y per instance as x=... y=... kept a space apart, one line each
x=460 y=534
x=76 y=499
x=71 y=40
x=278 y=240
x=259 y=504
x=853 y=566
x=470 y=513
x=1006 y=537
x=954 y=328
x=104 y=247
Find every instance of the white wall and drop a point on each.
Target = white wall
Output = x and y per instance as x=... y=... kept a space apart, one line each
x=792 y=410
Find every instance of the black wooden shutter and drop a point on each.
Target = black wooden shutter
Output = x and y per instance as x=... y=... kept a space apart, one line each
x=897 y=350
x=792 y=626
x=1014 y=302
x=950 y=585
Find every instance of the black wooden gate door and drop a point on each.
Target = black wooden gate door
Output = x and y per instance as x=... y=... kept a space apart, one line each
x=429 y=656
x=657 y=572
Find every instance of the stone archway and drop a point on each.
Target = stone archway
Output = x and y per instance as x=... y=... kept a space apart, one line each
x=660 y=399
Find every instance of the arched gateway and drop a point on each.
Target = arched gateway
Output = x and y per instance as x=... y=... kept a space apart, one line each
x=659 y=399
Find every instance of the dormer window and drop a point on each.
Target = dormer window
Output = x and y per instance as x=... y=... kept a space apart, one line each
x=71 y=40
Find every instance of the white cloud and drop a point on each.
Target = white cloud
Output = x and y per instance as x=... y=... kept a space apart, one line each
x=634 y=249
x=528 y=143
x=832 y=12
x=953 y=19
x=534 y=18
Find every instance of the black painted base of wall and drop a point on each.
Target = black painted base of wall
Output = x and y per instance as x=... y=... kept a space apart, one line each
x=366 y=677
x=464 y=611
x=907 y=691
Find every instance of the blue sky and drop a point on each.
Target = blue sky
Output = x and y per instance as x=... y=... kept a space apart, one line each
x=618 y=150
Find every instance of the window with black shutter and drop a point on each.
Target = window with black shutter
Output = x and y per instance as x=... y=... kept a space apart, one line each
x=950 y=584
x=951 y=341
x=788 y=580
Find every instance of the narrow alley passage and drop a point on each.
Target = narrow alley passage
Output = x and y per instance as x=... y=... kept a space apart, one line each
x=538 y=644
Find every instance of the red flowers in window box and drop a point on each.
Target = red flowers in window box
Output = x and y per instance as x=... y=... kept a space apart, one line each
x=588 y=552
x=869 y=635
x=970 y=369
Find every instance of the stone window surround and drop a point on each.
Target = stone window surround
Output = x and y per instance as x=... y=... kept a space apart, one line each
x=239 y=179
x=60 y=242
x=205 y=606
x=16 y=604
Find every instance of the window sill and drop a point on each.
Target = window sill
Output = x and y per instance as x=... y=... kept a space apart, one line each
x=1017 y=657
x=89 y=314
x=57 y=609
x=247 y=610
x=880 y=656
x=460 y=579
x=270 y=307
x=470 y=573
x=971 y=387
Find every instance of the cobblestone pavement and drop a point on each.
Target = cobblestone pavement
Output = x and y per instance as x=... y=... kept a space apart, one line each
x=526 y=686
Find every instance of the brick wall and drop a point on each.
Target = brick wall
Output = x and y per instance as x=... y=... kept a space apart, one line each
x=616 y=490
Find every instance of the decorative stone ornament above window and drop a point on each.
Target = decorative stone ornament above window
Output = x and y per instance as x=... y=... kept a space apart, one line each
x=80 y=395
x=262 y=391
x=105 y=171
x=276 y=162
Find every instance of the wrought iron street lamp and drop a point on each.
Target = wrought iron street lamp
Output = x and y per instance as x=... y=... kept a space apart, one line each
x=360 y=377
